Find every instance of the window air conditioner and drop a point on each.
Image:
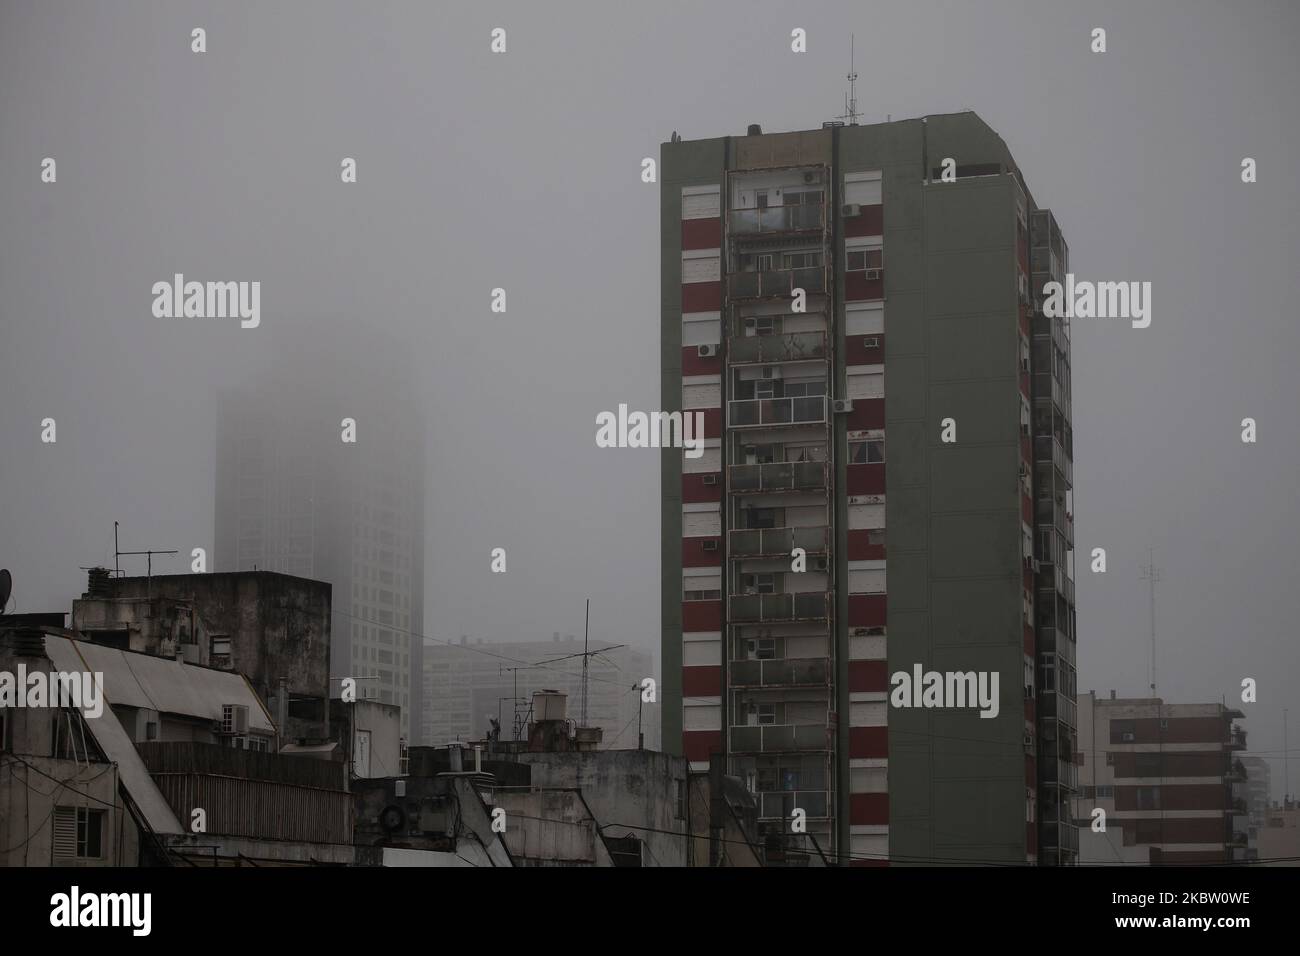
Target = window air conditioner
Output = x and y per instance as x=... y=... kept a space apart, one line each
x=234 y=719
x=710 y=480
x=871 y=342
x=873 y=274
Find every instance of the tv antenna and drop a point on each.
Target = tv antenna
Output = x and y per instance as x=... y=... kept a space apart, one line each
x=586 y=656
x=851 y=97
x=1151 y=573
x=118 y=555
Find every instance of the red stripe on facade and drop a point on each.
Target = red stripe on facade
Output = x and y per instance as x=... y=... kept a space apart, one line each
x=866 y=610
x=703 y=681
x=870 y=222
x=701 y=233
x=867 y=413
x=861 y=548
x=1027 y=450
x=858 y=287
x=701 y=296
x=867 y=742
x=693 y=364
x=857 y=352
x=698 y=744
x=1030 y=641
x=701 y=616
x=1027 y=510
x=1024 y=383
x=869 y=809
x=1024 y=320
x=712 y=422
x=866 y=479
x=696 y=491
x=694 y=554
x=1029 y=710
x=868 y=676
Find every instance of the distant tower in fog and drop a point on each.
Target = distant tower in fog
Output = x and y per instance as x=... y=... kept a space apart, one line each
x=293 y=497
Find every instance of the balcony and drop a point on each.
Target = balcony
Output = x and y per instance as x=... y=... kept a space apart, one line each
x=795 y=347
x=776 y=283
x=1047 y=512
x=1055 y=576
x=1064 y=836
x=776 y=220
x=809 y=672
x=761 y=608
x=776 y=542
x=759 y=412
x=778 y=738
x=1237 y=739
x=778 y=476
x=780 y=804
x=1049 y=448
x=1056 y=706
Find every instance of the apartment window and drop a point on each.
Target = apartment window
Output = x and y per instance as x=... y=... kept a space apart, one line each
x=1106 y=792
x=766 y=713
x=866 y=452
x=78 y=833
x=763 y=263
x=760 y=198
x=714 y=595
x=859 y=260
x=1110 y=760
x=803 y=260
x=809 y=197
x=758 y=583
x=764 y=648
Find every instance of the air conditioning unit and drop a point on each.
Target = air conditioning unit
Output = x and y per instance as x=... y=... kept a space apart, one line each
x=849 y=210
x=819 y=564
x=709 y=546
x=871 y=342
x=708 y=351
x=839 y=405
x=1128 y=737
x=811 y=176
x=234 y=719
x=710 y=480
x=873 y=274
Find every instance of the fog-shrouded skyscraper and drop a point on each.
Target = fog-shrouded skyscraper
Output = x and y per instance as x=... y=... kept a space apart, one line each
x=855 y=313
x=320 y=473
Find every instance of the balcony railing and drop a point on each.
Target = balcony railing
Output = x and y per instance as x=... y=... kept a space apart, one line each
x=774 y=542
x=1049 y=448
x=776 y=283
x=794 y=410
x=759 y=608
x=773 y=220
x=778 y=476
x=778 y=738
x=780 y=804
x=794 y=347
x=1237 y=739
x=810 y=672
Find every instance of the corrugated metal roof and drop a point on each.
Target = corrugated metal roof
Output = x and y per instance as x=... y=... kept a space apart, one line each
x=157 y=683
x=115 y=742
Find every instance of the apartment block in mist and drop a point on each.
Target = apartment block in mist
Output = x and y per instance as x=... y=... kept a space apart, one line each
x=468 y=684
x=832 y=307
x=1170 y=779
x=293 y=497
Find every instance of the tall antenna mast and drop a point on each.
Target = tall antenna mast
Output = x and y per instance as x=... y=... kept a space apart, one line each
x=586 y=660
x=851 y=97
x=1151 y=573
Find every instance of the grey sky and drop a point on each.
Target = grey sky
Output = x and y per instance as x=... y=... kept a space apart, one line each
x=522 y=170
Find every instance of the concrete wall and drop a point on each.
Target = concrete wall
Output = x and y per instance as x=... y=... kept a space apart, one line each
x=630 y=792
x=279 y=625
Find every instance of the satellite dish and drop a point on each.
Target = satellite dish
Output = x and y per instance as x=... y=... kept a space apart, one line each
x=6 y=588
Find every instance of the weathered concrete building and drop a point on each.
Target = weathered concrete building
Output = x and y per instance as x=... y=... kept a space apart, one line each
x=272 y=628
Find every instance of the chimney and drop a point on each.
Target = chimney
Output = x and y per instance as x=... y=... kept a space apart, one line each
x=755 y=130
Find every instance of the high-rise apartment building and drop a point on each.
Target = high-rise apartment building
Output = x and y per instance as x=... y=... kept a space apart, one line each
x=1169 y=779
x=293 y=496
x=466 y=685
x=856 y=312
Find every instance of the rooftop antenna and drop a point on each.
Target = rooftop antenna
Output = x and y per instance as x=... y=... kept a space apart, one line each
x=586 y=656
x=851 y=97
x=1151 y=573
x=117 y=555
